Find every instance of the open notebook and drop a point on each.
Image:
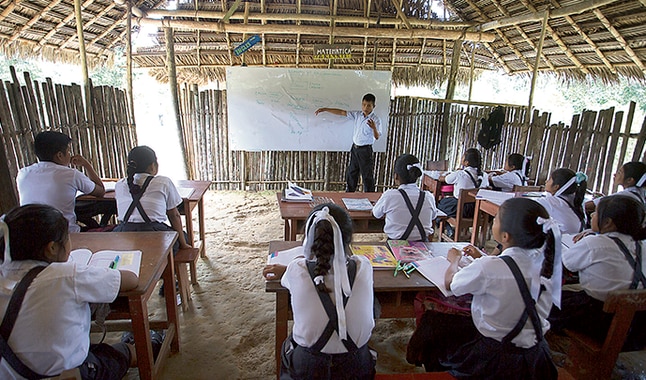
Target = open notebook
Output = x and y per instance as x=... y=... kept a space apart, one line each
x=124 y=260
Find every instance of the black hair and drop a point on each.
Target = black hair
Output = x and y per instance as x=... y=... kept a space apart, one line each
x=560 y=177
x=517 y=217
x=323 y=243
x=474 y=159
x=634 y=170
x=369 y=98
x=139 y=159
x=401 y=168
x=31 y=228
x=516 y=160
x=627 y=213
x=48 y=143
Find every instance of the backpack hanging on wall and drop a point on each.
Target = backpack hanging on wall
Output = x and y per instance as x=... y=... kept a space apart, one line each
x=489 y=135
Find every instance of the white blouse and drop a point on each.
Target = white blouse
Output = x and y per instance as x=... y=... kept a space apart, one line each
x=393 y=207
x=461 y=180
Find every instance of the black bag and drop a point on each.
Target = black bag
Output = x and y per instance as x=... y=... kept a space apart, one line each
x=489 y=135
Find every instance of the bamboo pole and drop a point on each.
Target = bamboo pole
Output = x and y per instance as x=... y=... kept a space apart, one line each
x=535 y=72
x=172 y=80
x=131 y=100
x=83 y=56
x=450 y=90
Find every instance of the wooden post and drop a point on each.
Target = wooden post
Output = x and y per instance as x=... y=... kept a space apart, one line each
x=89 y=117
x=450 y=91
x=131 y=99
x=8 y=199
x=523 y=136
x=172 y=81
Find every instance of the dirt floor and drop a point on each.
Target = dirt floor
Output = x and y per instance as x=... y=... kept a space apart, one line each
x=228 y=331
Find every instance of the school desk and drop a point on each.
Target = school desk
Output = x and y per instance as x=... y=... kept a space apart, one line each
x=156 y=263
x=295 y=213
x=395 y=294
x=195 y=198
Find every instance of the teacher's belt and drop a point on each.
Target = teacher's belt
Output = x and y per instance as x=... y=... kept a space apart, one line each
x=361 y=146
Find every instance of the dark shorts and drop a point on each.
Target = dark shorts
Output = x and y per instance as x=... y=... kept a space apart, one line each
x=106 y=362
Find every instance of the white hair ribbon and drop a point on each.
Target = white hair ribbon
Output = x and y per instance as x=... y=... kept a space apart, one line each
x=341 y=280
x=578 y=178
x=557 y=271
x=5 y=233
x=641 y=181
x=415 y=165
x=524 y=168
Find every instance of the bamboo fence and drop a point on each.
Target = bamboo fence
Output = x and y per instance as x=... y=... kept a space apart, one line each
x=101 y=131
x=595 y=142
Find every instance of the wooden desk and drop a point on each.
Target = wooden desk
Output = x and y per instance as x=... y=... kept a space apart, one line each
x=156 y=263
x=395 y=294
x=196 y=198
x=483 y=209
x=295 y=213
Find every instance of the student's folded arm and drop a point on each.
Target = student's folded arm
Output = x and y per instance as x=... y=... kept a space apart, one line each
x=129 y=280
x=453 y=257
x=176 y=223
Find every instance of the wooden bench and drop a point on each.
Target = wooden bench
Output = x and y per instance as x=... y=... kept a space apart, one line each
x=590 y=359
x=183 y=257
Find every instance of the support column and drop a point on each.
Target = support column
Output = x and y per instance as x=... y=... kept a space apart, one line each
x=172 y=82
x=450 y=91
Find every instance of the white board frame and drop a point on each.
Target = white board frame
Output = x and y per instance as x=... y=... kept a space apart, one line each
x=273 y=108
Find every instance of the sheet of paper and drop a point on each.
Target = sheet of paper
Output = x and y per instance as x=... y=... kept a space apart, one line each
x=185 y=192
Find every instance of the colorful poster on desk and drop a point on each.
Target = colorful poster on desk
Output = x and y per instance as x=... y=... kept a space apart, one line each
x=407 y=252
x=379 y=255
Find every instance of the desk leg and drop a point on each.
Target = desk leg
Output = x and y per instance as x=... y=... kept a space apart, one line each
x=282 y=314
x=170 y=296
x=140 y=330
x=476 y=224
x=200 y=212
x=287 y=230
x=188 y=211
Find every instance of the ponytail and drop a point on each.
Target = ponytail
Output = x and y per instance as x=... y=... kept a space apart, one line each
x=550 y=251
x=323 y=248
x=474 y=159
x=408 y=168
x=139 y=159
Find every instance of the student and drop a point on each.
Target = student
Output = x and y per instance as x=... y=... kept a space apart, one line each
x=516 y=172
x=145 y=200
x=367 y=129
x=52 y=323
x=564 y=201
x=611 y=260
x=329 y=338
x=409 y=211
x=507 y=342
x=52 y=182
x=471 y=177
x=631 y=176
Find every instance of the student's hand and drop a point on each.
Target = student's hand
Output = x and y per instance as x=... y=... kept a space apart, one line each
x=472 y=251
x=454 y=255
x=274 y=271
x=582 y=234
x=79 y=160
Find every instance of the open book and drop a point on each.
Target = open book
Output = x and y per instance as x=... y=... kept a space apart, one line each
x=407 y=252
x=357 y=204
x=379 y=255
x=285 y=257
x=124 y=260
x=497 y=197
x=295 y=193
x=434 y=269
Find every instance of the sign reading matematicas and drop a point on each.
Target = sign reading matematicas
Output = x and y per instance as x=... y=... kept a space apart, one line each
x=334 y=51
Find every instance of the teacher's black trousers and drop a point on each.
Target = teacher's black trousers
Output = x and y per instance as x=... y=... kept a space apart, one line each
x=361 y=161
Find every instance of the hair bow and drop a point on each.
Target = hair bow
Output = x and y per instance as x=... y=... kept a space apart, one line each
x=415 y=165
x=341 y=280
x=5 y=233
x=557 y=270
x=578 y=178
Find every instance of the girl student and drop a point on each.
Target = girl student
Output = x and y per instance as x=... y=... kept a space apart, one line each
x=516 y=172
x=512 y=296
x=409 y=211
x=613 y=259
x=470 y=177
x=51 y=334
x=631 y=176
x=145 y=200
x=332 y=302
x=564 y=201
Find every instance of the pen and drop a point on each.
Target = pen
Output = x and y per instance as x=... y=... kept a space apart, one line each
x=296 y=189
x=115 y=263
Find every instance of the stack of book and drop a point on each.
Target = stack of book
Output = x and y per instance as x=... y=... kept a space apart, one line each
x=295 y=193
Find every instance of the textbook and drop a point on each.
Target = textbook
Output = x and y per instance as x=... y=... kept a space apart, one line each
x=434 y=270
x=407 y=252
x=295 y=193
x=497 y=197
x=379 y=255
x=357 y=204
x=125 y=260
x=285 y=257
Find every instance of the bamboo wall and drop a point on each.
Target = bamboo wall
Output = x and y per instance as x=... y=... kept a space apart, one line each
x=594 y=142
x=102 y=133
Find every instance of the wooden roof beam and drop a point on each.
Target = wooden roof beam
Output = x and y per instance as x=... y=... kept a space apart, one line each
x=615 y=33
x=384 y=65
x=557 y=39
x=58 y=26
x=10 y=7
x=401 y=14
x=230 y=12
x=262 y=36
x=587 y=39
x=538 y=16
x=226 y=35
x=255 y=16
x=318 y=30
x=33 y=20
x=90 y=22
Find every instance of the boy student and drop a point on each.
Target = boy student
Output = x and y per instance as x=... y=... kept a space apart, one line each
x=52 y=181
x=367 y=129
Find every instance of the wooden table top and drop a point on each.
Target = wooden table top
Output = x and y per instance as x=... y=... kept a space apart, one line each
x=301 y=210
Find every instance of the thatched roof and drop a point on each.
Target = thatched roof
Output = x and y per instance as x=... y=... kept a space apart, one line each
x=415 y=39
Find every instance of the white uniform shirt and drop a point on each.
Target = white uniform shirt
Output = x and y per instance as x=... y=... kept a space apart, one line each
x=558 y=208
x=362 y=134
x=160 y=196
x=392 y=205
x=54 y=185
x=461 y=180
x=601 y=265
x=506 y=181
x=310 y=318
x=52 y=331
x=638 y=193
x=497 y=304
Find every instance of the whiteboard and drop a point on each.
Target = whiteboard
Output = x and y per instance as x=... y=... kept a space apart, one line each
x=273 y=108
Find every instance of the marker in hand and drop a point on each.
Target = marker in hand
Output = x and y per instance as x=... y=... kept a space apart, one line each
x=115 y=262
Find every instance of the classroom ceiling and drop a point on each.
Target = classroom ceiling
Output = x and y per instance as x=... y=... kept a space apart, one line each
x=414 y=39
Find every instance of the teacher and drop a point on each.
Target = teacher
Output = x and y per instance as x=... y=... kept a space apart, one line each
x=367 y=129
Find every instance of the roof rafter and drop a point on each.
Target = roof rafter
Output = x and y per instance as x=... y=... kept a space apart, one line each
x=615 y=33
x=12 y=5
x=33 y=20
x=58 y=26
x=90 y=22
x=401 y=14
